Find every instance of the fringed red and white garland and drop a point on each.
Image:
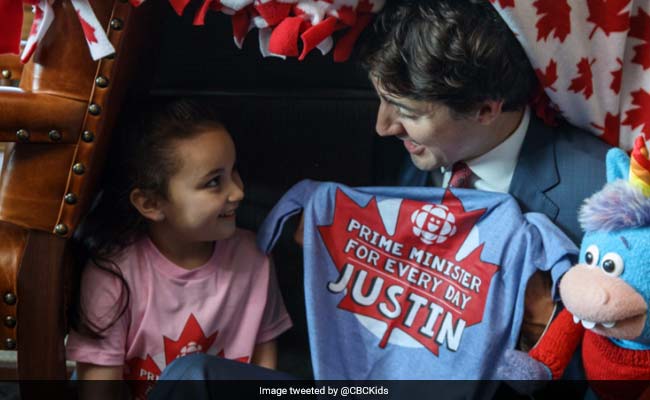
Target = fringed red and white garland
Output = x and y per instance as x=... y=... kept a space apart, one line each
x=283 y=24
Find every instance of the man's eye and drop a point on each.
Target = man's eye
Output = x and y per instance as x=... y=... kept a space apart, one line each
x=214 y=182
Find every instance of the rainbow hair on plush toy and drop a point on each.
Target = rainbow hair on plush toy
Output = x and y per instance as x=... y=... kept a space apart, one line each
x=623 y=203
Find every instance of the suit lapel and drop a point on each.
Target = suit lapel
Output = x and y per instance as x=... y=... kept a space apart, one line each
x=536 y=170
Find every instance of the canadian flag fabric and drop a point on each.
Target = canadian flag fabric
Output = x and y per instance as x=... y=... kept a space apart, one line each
x=43 y=17
x=95 y=34
x=592 y=58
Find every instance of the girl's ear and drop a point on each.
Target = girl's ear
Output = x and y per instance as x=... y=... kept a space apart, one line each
x=147 y=204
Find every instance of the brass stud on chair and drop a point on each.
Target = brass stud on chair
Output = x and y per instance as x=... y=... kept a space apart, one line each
x=117 y=24
x=6 y=74
x=70 y=198
x=101 y=81
x=61 y=229
x=10 y=321
x=88 y=136
x=78 y=169
x=10 y=344
x=94 y=109
x=9 y=298
x=54 y=135
x=22 y=135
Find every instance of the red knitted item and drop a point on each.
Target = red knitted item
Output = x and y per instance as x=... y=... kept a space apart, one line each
x=559 y=342
x=615 y=372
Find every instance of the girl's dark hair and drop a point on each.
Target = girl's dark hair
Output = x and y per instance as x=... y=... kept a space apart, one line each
x=458 y=52
x=141 y=156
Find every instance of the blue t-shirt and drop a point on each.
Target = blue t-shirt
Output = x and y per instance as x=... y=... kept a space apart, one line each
x=415 y=283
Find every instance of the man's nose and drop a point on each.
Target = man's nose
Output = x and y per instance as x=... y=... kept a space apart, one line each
x=387 y=123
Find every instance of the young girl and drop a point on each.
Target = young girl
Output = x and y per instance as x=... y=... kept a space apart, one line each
x=169 y=274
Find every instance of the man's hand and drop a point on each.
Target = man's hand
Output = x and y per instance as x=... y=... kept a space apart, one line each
x=538 y=309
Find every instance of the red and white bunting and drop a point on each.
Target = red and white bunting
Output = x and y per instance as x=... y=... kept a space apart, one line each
x=94 y=33
x=43 y=17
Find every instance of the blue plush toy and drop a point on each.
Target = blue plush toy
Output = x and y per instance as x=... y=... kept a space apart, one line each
x=607 y=294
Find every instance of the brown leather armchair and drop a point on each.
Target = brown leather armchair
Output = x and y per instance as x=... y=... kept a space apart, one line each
x=59 y=122
x=10 y=69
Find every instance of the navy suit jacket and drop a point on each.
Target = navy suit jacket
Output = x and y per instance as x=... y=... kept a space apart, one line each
x=557 y=169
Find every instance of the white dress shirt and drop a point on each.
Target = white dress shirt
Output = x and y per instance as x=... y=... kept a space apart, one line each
x=493 y=170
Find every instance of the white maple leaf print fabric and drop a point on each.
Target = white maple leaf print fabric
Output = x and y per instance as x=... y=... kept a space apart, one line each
x=592 y=58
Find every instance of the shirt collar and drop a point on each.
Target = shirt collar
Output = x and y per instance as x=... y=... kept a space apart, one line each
x=494 y=169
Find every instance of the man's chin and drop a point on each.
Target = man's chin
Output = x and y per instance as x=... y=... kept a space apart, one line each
x=424 y=163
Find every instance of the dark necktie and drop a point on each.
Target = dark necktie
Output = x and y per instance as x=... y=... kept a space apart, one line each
x=461 y=175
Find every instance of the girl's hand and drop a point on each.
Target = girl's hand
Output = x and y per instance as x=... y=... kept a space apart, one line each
x=266 y=355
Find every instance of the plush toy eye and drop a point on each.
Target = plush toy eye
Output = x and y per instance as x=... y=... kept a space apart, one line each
x=612 y=264
x=591 y=256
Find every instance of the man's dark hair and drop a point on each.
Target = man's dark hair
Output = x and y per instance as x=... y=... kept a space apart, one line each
x=458 y=52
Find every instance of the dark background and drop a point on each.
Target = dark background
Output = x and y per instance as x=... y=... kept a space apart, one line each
x=290 y=120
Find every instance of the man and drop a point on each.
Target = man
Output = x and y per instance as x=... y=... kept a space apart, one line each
x=454 y=84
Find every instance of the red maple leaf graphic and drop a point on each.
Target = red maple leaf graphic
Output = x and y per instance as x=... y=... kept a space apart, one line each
x=556 y=17
x=504 y=3
x=141 y=373
x=243 y=359
x=640 y=115
x=617 y=77
x=640 y=29
x=608 y=15
x=584 y=81
x=192 y=340
x=89 y=31
x=407 y=272
x=548 y=77
x=611 y=129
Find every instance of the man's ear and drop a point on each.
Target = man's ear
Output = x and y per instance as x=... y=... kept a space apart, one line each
x=489 y=111
x=147 y=204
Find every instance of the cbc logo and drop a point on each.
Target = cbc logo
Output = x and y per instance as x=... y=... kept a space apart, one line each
x=191 y=347
x=433 y=223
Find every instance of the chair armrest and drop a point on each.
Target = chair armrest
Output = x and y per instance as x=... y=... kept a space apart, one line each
x=39 y=114
x=10 y=68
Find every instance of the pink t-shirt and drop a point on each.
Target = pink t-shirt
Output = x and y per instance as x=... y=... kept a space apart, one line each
x=224 y=308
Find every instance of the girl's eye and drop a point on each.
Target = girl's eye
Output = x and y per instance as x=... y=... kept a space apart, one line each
x=214 y=182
